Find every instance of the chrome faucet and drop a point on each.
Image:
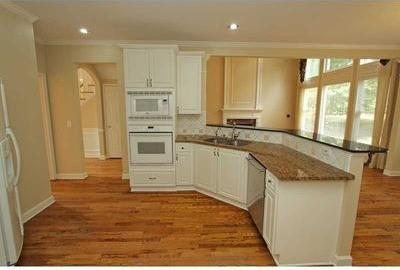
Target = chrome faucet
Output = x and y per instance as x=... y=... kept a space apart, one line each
x=216 y=133
x=235 y=134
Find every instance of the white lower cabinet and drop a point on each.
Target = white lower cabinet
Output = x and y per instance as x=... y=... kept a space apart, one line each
x=301 y=220
x=184 y=164
x=221 y=171
x=231 y=180
x=205 y=165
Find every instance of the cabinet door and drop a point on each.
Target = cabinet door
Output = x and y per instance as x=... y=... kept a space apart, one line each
x=205 y=165
x=269 y=217
x=162 y=68
x=231 y=176
x=189 y=84
x=136 y=66
x=184 y=172
x=241 y=75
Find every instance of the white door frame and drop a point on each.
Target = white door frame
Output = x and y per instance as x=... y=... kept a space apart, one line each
x=46 y=118
x=105 y=122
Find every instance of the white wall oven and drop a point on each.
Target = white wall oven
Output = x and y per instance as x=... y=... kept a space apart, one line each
x=151 y=145
x=149 y=104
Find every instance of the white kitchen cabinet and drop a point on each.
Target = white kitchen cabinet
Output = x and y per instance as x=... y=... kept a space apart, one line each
x=189 y=83
x=136 y=66
x=269 y=218
x=184 y=164
x=150 y=67
x=221 y=171
x=162 y=68
x=231 y=181
x=205 y=167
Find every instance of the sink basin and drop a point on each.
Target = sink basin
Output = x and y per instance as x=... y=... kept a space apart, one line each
x=226 y=141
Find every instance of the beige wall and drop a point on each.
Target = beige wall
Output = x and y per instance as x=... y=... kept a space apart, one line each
x=279 y=92
x=215 y=89
x=64 y=98
x=19 y=73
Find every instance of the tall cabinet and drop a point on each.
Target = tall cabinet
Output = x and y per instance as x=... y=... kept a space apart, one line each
x=189 y=82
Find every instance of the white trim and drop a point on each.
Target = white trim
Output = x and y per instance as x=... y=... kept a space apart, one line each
x=14 y=8
x=151 y=45
x=342 y=260
x=71 y=176
x=221 y=198
x=102 y=157
x=47 y=125
x=224 y=44
x=391 y=172
x=37 y=208
x=125 y=176
x=93 y=154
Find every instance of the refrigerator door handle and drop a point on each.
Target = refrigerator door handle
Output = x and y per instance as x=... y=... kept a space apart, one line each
x=11 y=134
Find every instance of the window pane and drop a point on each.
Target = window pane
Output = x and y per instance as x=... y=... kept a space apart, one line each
x=308 y=108
x=365 y=110
x=334 y=105
x=337 y=63
x=367 y=61
x=312 y=68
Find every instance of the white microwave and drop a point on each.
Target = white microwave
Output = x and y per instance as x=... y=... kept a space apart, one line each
x=146 y=104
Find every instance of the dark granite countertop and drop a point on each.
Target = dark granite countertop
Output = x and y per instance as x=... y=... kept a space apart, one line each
x=285 y=163
x=346 y=145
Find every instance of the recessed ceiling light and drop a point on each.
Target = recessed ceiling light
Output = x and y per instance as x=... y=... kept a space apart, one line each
x=83 y=31
x=233 y=26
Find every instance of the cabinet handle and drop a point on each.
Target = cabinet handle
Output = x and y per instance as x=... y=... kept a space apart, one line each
x=269 y=181
x=214 y=152
x=147 y=82
x=218 y=152
x=176 y=157
x=152 y=178
x=151 y=82
x=177 y=109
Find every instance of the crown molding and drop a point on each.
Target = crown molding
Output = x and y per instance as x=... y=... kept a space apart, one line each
x=10 y=6
x=224 y=44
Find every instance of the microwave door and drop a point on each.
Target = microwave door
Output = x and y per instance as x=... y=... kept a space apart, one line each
x=146 y=106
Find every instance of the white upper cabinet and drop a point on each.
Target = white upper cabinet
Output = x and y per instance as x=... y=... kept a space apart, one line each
x=189 y=83
x=162 y=68
x=242 y=83
x=150 y=67
x=136 y=65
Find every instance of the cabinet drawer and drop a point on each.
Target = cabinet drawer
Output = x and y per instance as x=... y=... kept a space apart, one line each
x=270 y=181
x=183 y=147
x=153 y=178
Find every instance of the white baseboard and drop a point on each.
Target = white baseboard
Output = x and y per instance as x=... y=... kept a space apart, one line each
x=102 y=157
x=221 y=198
x=92 y=154
x=391 y=172
x=125 y=176
x=37 y=208
x=342 y=260
x=71 y=176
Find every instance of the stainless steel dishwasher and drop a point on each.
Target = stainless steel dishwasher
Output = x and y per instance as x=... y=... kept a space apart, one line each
x=256 y=192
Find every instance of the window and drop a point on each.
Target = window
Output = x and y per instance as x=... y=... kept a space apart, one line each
x=337 y=63
x=334 y=105
x=367 y=61
x=308 y=109
x=312 y=68
x=365 y=110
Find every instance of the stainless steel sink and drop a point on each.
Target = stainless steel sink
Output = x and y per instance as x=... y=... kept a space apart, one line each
x=227 y=141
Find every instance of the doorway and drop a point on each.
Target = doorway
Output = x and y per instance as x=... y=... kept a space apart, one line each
x=100 y=106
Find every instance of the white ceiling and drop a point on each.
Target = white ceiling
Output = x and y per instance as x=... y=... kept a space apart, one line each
x=347 y=22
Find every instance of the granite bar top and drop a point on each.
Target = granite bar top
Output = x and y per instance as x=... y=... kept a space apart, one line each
x=346 y=145
x=285 y=163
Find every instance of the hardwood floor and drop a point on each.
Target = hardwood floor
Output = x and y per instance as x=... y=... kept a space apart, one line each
x=99 y=222
x=377 y=234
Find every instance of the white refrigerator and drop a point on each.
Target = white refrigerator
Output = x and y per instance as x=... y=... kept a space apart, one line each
x=11 y=225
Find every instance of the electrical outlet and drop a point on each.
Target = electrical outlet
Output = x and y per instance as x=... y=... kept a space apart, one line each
x=69 y=123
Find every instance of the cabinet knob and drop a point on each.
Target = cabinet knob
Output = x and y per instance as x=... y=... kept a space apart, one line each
x=152 y=178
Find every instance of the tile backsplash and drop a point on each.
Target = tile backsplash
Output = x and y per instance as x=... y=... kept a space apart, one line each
x=196 y=124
